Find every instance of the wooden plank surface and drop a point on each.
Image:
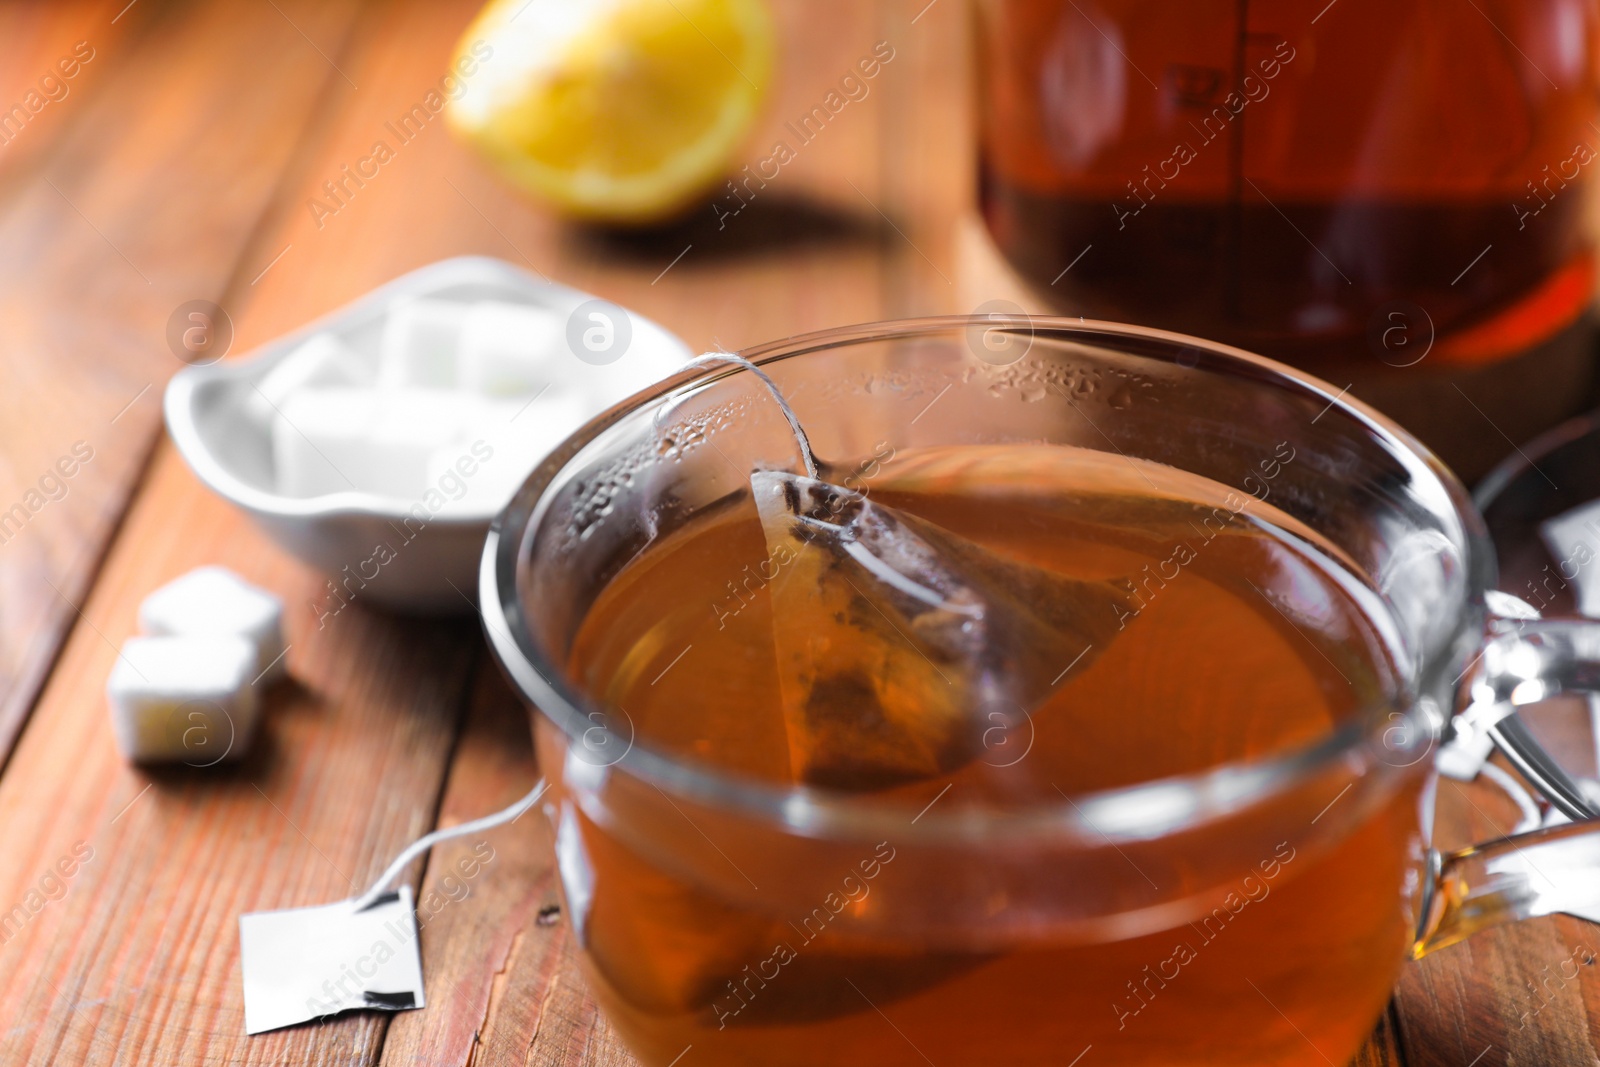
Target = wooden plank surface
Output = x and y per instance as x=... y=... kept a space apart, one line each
x=53 y=57
x=149 y=197
x=140 y=954
x=184 y=172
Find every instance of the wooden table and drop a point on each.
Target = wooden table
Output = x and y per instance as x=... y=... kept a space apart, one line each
x=179 y=165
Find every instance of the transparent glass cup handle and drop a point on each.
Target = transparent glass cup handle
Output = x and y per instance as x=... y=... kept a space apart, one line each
x=1542 y=872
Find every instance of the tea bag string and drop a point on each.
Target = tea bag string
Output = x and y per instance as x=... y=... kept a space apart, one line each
x=806 y=455
x=427 y=841
x=847 y=541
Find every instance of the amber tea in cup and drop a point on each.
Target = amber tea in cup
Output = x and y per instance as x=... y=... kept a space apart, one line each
x=1240 y=640
x=1199 y=840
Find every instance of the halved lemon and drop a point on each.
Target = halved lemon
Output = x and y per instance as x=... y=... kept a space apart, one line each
x=614 y=110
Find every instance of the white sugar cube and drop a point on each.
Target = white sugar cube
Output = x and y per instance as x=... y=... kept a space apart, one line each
x=420 y=341
x=525 y=432
x=466 y=484
x=214 y=602
x=370 y=440
x=324 y=360
x=510 y=349
x=411 y=425
x=512 y=438
x=185 y=699
x=320 y=440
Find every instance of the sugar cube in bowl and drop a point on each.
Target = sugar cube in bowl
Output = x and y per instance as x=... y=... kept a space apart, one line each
x=420 y=341
x=511 y=349
x=370 y=440
x=489 y=334
x=324 y=360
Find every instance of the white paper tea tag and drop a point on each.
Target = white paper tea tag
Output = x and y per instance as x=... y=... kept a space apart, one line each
x=308 y=963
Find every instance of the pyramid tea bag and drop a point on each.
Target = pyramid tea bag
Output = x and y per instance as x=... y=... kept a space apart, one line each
x=900 y=645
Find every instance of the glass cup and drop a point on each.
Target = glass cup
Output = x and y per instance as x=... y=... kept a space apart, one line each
x=1254 y=912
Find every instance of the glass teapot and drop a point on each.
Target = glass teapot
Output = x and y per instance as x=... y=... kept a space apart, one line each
x=1358 y=187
